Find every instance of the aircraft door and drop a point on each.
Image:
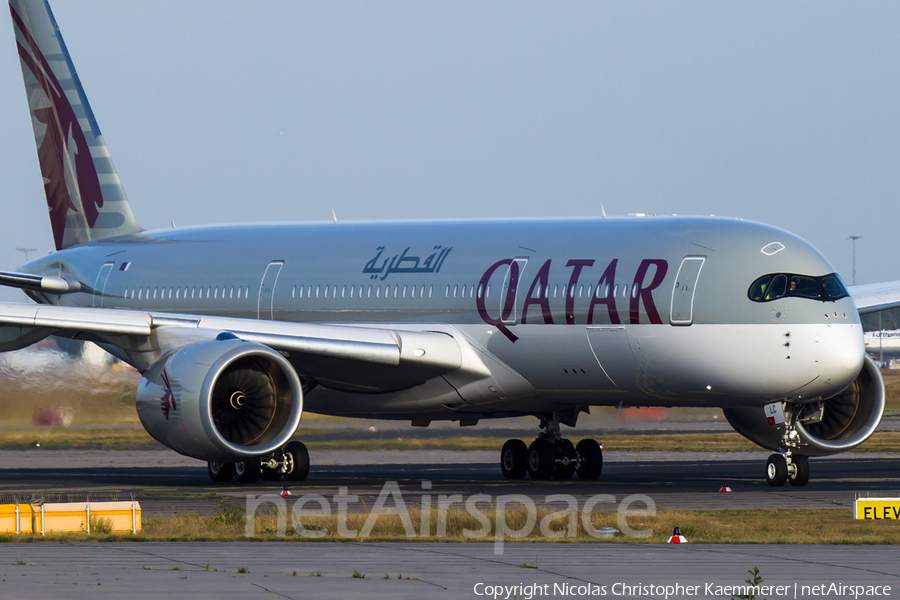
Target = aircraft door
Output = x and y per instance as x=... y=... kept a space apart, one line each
x=100 y=283
x=682 y=309
x=266 y=304
x=510 y=289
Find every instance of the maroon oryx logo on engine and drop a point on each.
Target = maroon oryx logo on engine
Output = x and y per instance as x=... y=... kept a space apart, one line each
x=167 y=401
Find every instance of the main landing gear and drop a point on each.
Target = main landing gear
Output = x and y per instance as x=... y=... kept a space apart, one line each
x=786 y=465
x=551 y=455
x=290 y=462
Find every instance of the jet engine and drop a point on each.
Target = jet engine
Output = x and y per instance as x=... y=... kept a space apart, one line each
x=221 y=400
x=841 y=423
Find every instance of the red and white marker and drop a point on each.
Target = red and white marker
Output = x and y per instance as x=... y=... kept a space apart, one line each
x=677 y=538
x=725 y=488
x=286 y=493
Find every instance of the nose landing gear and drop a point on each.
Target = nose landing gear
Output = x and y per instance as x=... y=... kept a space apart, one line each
x=551 y=455
x=779 y=470
x=786 y=465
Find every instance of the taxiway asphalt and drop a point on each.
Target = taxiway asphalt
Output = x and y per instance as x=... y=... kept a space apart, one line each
x=166 y=483
x=424 y=571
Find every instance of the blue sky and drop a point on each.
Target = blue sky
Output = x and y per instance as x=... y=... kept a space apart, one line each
x=223 y=111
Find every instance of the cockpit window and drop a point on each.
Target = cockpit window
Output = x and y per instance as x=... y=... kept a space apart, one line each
x=827 y=288
x=776 y=289
x=759 y=287
x=833 y=286
x=805 y=287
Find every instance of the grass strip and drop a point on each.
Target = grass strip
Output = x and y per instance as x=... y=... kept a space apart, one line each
x=806 y=526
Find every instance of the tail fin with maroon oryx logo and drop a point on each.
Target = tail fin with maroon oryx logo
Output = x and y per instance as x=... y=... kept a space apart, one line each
x=84 y=195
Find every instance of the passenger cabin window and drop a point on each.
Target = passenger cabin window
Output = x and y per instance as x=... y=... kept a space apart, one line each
x=826 y=288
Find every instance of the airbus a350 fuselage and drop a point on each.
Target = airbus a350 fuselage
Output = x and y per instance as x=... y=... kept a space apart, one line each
x=634 y=311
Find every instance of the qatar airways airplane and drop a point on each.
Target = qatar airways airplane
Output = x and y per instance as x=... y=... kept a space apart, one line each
x=239 y=329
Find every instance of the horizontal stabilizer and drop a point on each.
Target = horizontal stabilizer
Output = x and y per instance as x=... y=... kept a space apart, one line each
x=38 y=283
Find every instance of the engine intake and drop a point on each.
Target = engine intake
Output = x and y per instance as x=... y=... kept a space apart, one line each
x=848 y=419
x=223 y=400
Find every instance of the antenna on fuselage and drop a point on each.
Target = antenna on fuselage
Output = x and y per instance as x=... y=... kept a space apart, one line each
x=333 y=216
x=602 y=210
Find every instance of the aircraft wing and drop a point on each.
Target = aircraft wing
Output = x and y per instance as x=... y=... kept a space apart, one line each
x=876 y=296
x=405 y=356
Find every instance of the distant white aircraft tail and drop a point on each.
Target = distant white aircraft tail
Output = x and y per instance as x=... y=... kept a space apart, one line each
x=84 y=194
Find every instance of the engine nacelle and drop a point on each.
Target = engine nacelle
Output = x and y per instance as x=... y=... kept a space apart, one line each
x=223 y=400
x=848 y=419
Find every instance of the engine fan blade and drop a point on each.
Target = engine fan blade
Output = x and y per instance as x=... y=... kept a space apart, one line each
x=838 y=414
x=243 y=403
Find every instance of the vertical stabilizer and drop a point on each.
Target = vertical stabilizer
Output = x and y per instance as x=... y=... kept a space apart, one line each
x=84 y=194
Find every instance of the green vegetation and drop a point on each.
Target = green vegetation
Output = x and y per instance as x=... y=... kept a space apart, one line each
x=228 y=514
x=755 y=580
x=101 y=525
x=808 y=526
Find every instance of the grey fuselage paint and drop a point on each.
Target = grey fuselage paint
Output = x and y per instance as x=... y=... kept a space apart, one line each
x=523 y=292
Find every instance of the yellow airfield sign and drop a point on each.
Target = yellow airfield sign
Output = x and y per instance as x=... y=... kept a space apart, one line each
x=878 y=509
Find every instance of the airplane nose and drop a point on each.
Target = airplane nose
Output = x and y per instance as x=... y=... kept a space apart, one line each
x=839 y=354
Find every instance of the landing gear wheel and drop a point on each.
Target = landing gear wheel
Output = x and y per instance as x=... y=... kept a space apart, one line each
x=590 y=459
x=247 y=471
x=514 y=459
x=220 y=471
x=776 y=470
x=800 y=475
x=565 y=450
x=297 y=457
x=541 y=459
